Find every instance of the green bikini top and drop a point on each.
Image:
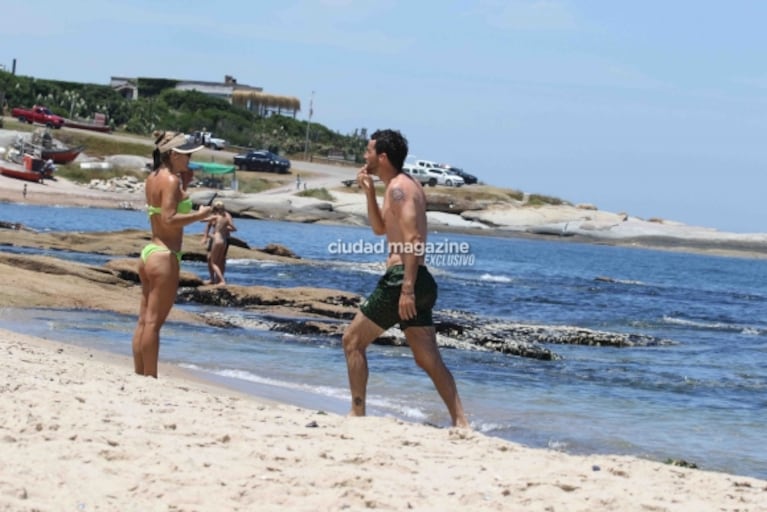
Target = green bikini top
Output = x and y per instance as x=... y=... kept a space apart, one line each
x=184 y=206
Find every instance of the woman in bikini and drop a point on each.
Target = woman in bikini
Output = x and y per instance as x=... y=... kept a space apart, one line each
x=169 y=209
x=218 y=243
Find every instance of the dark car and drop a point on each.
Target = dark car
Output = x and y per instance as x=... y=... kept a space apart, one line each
x=262 y=160
x=468 y=179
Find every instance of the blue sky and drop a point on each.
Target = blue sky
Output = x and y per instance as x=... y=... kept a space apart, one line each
x=654 y=108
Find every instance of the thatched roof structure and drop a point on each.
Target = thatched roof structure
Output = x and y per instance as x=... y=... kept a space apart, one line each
x=262 y=102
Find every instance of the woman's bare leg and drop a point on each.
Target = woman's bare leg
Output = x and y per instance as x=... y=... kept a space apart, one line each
x=216 y=251
x=138 y=361
x=161 y=270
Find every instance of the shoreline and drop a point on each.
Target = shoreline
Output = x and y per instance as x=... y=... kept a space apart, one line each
x=715 y=244
x=78 y=414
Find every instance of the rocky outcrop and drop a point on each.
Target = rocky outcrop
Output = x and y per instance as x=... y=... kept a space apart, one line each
x=264 y=207
x=494 y=331
x=122 y=184
x=446 y=203
x=313 y=301
x=279 y=250
x=129 y=243
x=311 y=311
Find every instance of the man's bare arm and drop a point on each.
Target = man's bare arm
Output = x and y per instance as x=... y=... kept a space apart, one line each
x=206 y=235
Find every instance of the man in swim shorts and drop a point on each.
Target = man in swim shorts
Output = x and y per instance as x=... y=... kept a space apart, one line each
x=406 y=294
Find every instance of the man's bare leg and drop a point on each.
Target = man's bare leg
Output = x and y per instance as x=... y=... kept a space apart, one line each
x=423 y=343
x=357 y=337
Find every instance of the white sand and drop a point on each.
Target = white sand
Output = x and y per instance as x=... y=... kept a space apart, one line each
x=79 y=431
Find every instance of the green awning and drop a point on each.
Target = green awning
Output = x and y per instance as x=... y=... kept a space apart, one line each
x=212 y=167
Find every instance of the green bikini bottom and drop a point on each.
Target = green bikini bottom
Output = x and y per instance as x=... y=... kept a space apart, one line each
x=151 y=248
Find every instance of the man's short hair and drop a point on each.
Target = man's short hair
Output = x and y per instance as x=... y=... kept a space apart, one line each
x=393 y=143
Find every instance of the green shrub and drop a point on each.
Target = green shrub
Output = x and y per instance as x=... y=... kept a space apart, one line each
x=253 y=186
x=540 y=199
x=317 y=193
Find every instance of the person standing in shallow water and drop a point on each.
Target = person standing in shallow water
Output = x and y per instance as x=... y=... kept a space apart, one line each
x=218 y=242
x=406 y=294
x=169 y=209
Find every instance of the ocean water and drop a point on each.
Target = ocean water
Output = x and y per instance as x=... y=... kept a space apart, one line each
x=702 y=398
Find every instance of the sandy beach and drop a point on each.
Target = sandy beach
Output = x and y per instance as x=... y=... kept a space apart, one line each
x=81 y=432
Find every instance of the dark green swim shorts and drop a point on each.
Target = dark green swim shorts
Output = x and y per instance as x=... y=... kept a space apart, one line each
x=382 y=307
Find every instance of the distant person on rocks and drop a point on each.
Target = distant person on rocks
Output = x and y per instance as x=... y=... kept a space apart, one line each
x=169 y=209
x=218 y=243
x=407 y=292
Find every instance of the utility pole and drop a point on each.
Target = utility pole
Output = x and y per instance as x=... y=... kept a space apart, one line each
x=308 y=123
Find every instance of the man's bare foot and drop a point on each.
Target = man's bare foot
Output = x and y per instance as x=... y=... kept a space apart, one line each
x=462 y=423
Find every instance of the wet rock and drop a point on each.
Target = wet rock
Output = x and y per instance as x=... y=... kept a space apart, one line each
x=681 y=463
x=310 y=328
x=496 y=329
x=279 y=250
x=127 y=269
x=325 y=302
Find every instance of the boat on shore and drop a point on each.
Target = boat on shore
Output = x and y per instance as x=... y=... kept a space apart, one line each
x=13 y=170
x=42 y=145
x=61 y=155
x=87 y=125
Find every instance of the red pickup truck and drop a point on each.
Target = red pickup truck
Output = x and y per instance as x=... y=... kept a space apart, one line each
x=38 y=114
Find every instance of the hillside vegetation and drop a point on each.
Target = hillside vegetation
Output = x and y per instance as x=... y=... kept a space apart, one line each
x=163 y=107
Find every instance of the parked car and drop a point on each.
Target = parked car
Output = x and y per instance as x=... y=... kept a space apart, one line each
x=468 y=179
x=420 y=174
x=262 y=160
x=445 y=178
x=208 y=140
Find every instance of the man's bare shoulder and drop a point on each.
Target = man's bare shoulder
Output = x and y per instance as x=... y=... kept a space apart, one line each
x=405 y=184
x=398 y=191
